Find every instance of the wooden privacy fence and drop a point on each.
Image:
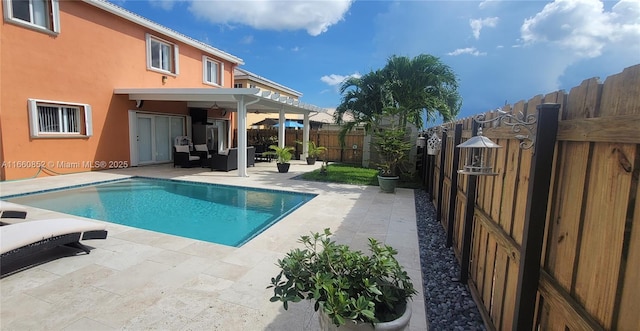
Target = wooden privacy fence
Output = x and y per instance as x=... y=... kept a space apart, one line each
x=326 y=138
x=553 y=241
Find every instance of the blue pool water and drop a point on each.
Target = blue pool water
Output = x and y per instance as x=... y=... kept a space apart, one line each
x=221 y=214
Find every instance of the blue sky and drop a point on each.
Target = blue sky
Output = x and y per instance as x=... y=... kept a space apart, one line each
x=501 y=51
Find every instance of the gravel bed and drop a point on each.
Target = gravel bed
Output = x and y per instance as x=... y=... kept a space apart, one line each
x=448 y=304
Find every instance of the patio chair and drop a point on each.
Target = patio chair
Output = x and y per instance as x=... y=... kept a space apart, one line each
x=251 y=156
x=21 y=240
x=202 y=151
x=184 y=158
x=225 y=162
x=11 y=210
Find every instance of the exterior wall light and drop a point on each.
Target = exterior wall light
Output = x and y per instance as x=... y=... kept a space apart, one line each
x=421 y=142
x=479 y=158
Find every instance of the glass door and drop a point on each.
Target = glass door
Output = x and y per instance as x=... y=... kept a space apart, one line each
x=163 y=139
x=156 y=136
x=145 y=148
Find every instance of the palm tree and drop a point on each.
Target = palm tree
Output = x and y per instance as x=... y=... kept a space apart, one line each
x=405 y=89
x=422 y=85
x=362 y=100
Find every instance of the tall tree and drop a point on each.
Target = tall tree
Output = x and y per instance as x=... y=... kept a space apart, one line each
x=362 y=102
x=422 y=85
x=405 y=89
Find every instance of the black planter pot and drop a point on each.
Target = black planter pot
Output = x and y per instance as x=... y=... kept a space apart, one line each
x=283 y=167
x=311 y=160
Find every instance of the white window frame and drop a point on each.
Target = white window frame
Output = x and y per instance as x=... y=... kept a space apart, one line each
x=237 y=85
x=174 y=60
x=34 y=115
x=53 y=16
x=219 y=74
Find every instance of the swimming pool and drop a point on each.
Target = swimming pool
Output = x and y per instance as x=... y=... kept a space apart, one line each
x=215 y=213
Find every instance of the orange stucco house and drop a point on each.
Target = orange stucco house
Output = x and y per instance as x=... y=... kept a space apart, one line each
x=87 y=85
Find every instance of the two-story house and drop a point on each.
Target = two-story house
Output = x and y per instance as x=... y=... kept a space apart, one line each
x=88 y=85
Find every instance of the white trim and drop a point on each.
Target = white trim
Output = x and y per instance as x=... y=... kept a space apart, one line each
x=133 y=138
x=175 y=55
x=142 y=21
x=239 y=74
x=219 y=73
x=34 y=130
x=54 y=16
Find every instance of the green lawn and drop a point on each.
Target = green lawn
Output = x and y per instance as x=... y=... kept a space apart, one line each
x=349 y=174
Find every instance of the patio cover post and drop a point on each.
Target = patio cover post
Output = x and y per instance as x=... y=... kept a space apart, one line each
x=305 y=136
x=281 y=127
x=242 y=135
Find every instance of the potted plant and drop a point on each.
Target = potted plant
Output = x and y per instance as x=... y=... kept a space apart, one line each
x=352 y=290
x=283 y=155
x=313 y=152
x=392 y=147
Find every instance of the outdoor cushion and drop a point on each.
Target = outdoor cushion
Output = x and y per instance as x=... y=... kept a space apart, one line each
x=20 y=235
x=201 y=148
x=12 y=210
x=182 y=148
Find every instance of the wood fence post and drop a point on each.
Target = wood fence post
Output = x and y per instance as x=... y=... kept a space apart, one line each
x=430 y=168
x=443 y=149
x=467 y=229
x=535 y=216
x=453 y=192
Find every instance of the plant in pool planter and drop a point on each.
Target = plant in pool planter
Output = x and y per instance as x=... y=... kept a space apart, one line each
x=349 y=286
x=314 y=152
x=283 y=155
x=392 y=147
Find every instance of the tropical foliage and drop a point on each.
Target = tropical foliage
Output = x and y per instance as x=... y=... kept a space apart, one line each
x=347 y=284
x=283 y=154
x=392 y=147
x=314 y=150
x=404 y=92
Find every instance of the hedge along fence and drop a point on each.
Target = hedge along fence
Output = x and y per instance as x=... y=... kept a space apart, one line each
x=554 y=253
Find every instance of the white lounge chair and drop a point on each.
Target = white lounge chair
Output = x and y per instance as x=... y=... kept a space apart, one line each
x=19 y=240
x=11 y=210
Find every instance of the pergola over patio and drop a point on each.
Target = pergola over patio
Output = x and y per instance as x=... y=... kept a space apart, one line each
x=240 y=100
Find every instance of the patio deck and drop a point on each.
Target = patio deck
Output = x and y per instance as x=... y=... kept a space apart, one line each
x=138 y=279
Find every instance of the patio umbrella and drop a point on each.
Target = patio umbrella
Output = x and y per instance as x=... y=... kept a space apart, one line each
x=290 y=124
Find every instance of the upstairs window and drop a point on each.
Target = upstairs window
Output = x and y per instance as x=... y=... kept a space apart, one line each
x=237 y=85
x=162 y=55
x=212 y=71
x=37 y=14
x=53 y=118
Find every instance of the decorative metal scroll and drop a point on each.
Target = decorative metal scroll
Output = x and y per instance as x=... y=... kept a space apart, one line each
x=517 y=124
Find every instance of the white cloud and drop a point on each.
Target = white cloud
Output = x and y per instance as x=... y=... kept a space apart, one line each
x=469 y=50
x=478 y=24
x=336 y=80
x=295 y=49
x=164 y=4
x=584 y=27
x=246 y=40
x=313 y=16
x=487 y=3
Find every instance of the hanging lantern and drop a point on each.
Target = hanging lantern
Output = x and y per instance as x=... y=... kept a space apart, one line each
x=421 y=142
x=433 y=144
x=479 y=156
